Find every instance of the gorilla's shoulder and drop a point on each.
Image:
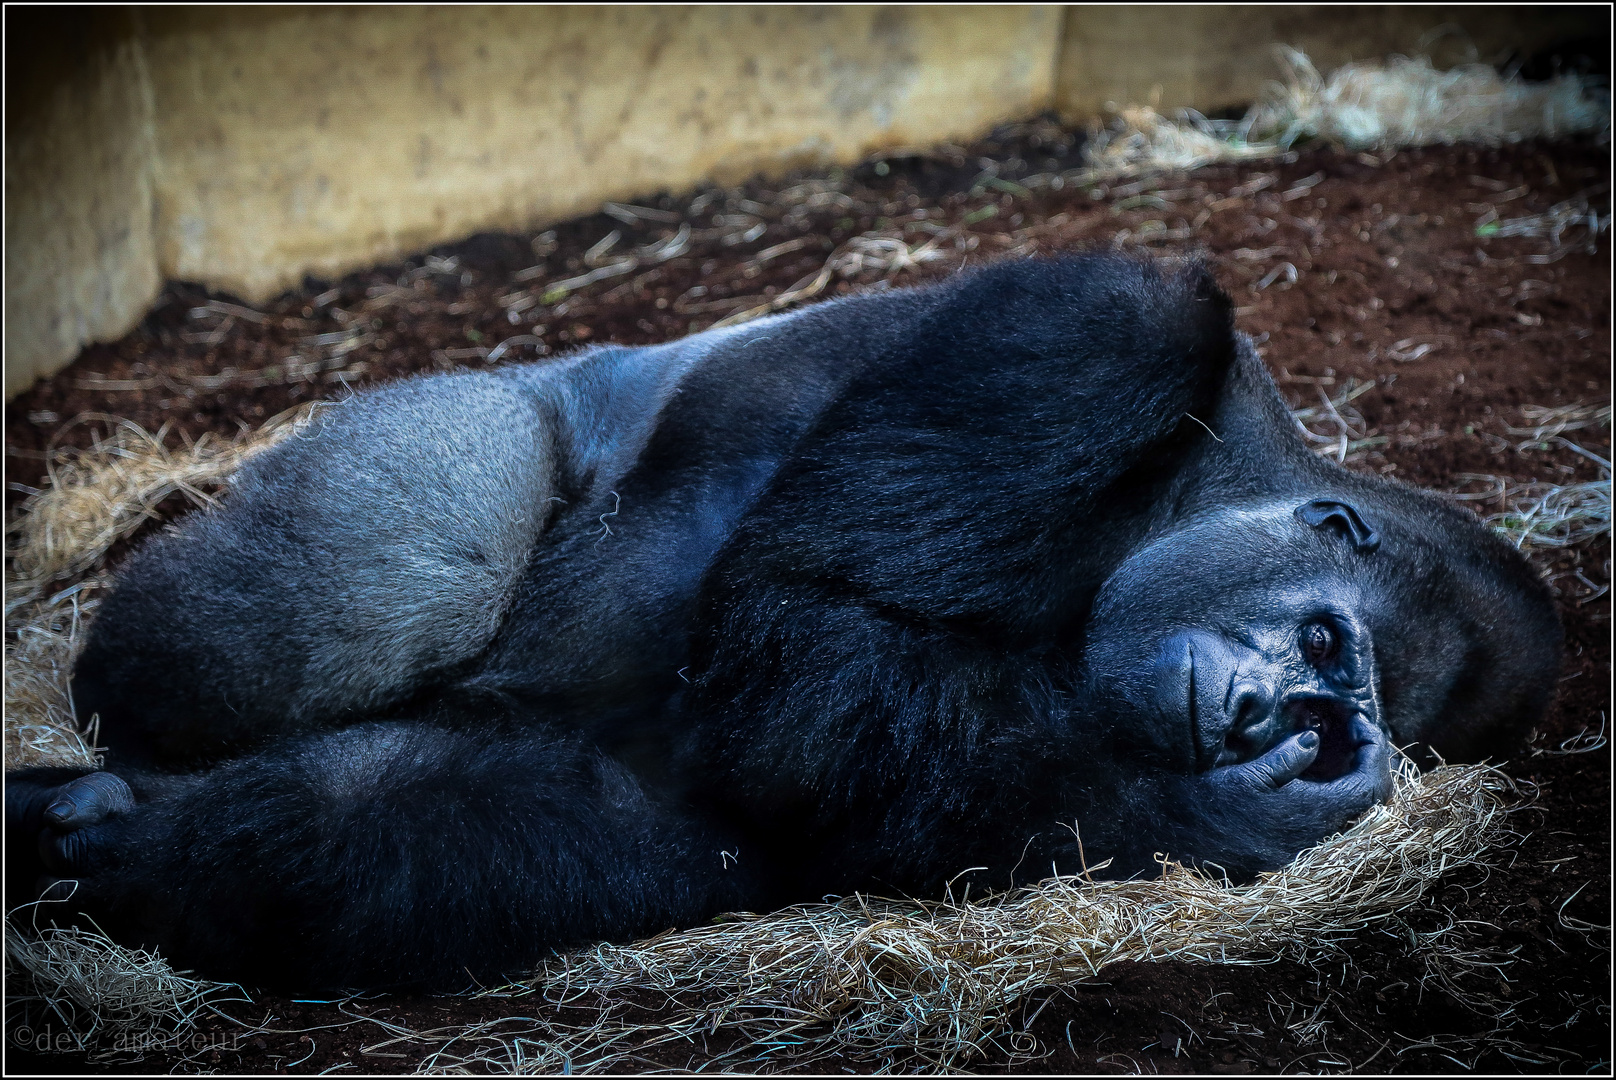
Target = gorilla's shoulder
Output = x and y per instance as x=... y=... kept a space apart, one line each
x=1088 y=275
x=1081 y=305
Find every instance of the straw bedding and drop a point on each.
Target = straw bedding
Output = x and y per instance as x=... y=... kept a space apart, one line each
x=934 y=985
x=904 y=983
x=1371 y=105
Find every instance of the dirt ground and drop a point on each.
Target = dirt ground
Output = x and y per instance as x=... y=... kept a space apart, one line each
x=1401 y=277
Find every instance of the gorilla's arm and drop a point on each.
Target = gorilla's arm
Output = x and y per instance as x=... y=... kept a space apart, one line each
x=994 y=463
x=886 y=639
x=891 y=754
x=900 y=755
x=387 y=854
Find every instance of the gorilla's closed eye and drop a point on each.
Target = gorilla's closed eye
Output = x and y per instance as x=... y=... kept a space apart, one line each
x=1343 y=517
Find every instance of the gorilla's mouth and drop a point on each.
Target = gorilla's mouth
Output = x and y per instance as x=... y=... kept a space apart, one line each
x=1338 y=742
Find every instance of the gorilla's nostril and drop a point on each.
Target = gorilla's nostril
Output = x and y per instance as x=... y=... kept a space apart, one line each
x=1252 y=706
x=1316 y=714
x=1249 y=710
x=1312 y=719
x=1253 y=722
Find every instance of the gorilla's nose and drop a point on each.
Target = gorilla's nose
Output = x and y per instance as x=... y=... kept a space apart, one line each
x=1197 y=675
x=1256 y=723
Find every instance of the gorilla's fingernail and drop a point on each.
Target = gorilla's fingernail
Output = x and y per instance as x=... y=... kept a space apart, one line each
x=1308 y=739
x=61 y=812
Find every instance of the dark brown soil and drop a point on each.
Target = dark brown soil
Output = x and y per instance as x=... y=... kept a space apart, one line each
x=1385 y=257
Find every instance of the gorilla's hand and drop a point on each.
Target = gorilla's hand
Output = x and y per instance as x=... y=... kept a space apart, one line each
x=1259 y=814
x=1247 y=817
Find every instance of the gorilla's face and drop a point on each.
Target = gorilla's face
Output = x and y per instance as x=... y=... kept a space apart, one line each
x=1223 y=637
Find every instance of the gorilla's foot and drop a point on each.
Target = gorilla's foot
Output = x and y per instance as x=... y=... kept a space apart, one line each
x=74 y=821
x=66 y=820
x=29 y=791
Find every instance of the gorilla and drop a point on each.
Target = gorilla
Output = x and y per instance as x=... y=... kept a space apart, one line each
x=1026 y=567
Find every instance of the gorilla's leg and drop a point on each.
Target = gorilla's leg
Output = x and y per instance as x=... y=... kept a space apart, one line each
x=349 y=565
x=388 y=854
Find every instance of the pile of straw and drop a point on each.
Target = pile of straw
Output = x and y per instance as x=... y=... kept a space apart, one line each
x=40 y=724
x=1372 y=105
x=94 y=498
x=98 y=989
x=935 y=985
x=1404 y=101
x=895 y=984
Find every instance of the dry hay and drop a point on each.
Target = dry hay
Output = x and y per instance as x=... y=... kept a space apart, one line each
x=895 y=984
x=933 y=985
x=40 y=725
x=1556 y=225
x=1540 y=517
x=742 y=221
x=905 y=984
x=1372 y=105
x=94 y=498
x=100 y=991
x=1349 y=438
x=1404 y=101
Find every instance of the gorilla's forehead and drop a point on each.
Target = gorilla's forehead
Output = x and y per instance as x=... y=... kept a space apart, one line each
x=1236 y=534
x=1232 y=557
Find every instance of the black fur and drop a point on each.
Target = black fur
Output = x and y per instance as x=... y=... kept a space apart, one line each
x=852 y=598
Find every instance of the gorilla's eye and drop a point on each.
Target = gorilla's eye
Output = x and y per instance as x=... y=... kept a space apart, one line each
x=1319 y=643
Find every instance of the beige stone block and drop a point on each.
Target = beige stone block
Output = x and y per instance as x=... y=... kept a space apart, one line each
x=294 y=141
x=81 y=265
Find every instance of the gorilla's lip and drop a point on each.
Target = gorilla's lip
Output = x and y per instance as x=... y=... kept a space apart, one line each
x=1345 y=729
x=1183 y=705
x=1174 y=703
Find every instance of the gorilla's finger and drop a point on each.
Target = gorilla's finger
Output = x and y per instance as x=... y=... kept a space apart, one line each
x=1286 y=761
x=1372 y=770
x=88 y=800
x=1367 y=785
x=1370 y=780
x=1374 y=757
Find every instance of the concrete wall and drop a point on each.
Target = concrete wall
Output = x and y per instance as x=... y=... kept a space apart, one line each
x=81 y=258
x=394 y=128
x=246 y=147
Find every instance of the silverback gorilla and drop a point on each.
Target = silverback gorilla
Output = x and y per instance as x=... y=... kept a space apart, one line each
x=857 y=597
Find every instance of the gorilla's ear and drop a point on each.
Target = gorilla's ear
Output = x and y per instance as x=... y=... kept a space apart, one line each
x=1342 y=516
